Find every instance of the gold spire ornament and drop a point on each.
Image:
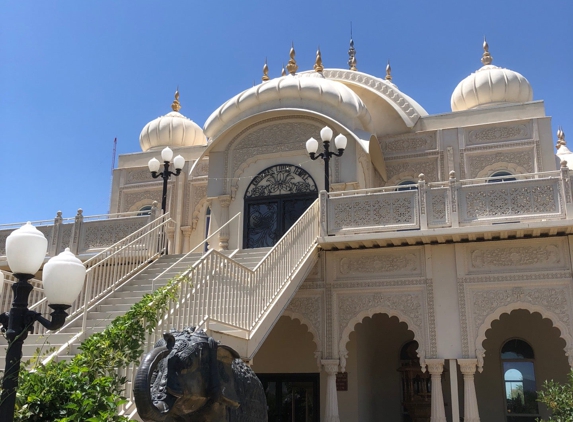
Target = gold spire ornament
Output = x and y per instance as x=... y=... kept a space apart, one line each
x=175 y=105
x=265 y=72
x=486 y=58
x=560 y=138
x=318 y=67
x=388 y=72
x=283 y=72
x=292 y=67
x=351 y=54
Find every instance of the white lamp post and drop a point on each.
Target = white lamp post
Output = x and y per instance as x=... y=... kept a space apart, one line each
x=154 y=164
x=326 y=136
x=63 y=280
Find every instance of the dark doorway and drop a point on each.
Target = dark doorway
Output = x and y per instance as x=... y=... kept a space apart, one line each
x=292 y=397
x=274 y=200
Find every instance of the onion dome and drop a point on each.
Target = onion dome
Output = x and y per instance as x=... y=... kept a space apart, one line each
x=171 y=130
x=490 y=85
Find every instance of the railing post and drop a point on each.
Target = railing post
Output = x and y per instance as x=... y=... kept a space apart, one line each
x=566 y=189
x=422 y=196
x=323 y=216
x=55 y=240
x=76 y=232
x=454 y=206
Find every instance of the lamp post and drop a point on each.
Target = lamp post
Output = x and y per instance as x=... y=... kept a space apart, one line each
x=63 y=279
x=154 y=164
x=326 y=136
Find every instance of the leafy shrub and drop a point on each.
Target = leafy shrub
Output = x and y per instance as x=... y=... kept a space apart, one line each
x=559 y=399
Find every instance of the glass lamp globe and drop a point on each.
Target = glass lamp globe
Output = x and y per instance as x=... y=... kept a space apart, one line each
x=153 y=165
x=312 y=146
x=26 y=249
x=340 y=141
x=63 y=278
x=179 y=162
x=326 y=134
x=166 y=154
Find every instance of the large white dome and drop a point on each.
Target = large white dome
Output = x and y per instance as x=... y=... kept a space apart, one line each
x=490 y=85
x=171 y=130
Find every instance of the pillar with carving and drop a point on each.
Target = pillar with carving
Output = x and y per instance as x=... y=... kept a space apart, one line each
x=436 y=367
x=224 y=235
x=468 y=368
x=331 y=408
x=186 y=230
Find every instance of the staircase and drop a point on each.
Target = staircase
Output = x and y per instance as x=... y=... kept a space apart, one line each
x=236 y=296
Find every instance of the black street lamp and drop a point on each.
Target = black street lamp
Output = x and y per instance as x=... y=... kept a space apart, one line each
x=63 y=279
x=154 y=164
x=326 y=136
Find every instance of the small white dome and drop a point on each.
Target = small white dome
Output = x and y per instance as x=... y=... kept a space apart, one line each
x=171 y=130
x=490 y=85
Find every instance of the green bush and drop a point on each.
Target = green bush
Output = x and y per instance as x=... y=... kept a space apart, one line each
x=559 y=399
x=87 y=388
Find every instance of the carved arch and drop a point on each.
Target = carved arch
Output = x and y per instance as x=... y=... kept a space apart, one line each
x=402 y=177
x=510 y=167
x=310 y=327
x=495 y=315
x=140 y=204
x=345 y=336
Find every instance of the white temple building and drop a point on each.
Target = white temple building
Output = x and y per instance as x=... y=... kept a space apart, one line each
x=433 y=282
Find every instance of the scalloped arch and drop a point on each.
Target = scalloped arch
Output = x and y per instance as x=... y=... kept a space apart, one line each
x=418 y=333
x=502 y=165
x=402 y=177
x=495 y=315
x=311 y=328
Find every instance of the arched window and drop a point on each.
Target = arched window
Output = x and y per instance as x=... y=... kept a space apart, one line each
x=407 y=185
x=501 y=176
x=146 y=210
x=274 y=200
x=519 y=383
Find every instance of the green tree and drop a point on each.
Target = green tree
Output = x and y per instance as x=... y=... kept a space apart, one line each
x=559 y=399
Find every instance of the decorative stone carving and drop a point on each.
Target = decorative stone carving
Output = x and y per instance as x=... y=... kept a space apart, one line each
x=498 y=133
x=477 y=162
x=380 y=263
x=104 y=233
x=436 y=367
x=409 y=143
x=398 y=168
x=350 y=213
x=139 y=175
x=128 y=198
x=438 y=209
x=523 y=256
x=310 y=309
x=331 y=405
x=468 y=369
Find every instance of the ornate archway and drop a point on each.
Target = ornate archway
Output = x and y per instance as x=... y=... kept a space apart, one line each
x=274 y=200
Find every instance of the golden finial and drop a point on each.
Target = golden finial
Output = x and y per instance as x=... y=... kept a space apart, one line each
x=176 y=106
x=353 y=63
x=283 y=72
x=265 y=72
x=388 y=72
x=318 y=67
x=351 y=52
x=486 y=58
x=560 y=137
x=292 y=67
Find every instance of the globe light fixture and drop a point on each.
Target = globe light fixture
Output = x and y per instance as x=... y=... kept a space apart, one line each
x=312 y=147
x=63 y=279
x=154 y=165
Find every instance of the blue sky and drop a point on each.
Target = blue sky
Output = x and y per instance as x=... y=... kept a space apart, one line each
x=74 y=75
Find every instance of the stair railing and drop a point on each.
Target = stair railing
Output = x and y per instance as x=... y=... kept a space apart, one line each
x=112 y=267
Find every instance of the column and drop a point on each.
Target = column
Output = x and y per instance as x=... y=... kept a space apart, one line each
x=331 y=406
x=170 y=239
x=224 y=235
x=186 y=230
x=468 y=368
x=436 y=367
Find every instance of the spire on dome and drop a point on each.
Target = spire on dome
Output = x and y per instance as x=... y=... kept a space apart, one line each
x=318 y=67
x=388 y=72
x=351 y=52
x=560 y=138
x=292 y=67
x=175 y=105
x=265 y=72
x=486 y=58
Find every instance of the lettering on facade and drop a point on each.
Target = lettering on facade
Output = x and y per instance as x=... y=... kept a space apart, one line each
x=342 y=381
